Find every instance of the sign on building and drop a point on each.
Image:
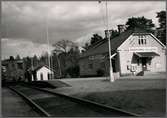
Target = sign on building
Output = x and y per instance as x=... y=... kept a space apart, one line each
x=143 y=49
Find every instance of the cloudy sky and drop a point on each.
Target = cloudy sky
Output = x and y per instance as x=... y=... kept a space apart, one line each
x=24 y=24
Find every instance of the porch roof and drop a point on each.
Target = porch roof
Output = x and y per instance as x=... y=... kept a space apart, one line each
x=146 y=54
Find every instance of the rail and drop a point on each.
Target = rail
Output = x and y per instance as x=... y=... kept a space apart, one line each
x=88 y=103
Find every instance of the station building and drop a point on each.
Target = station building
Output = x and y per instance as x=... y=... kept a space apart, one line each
x=133 y=52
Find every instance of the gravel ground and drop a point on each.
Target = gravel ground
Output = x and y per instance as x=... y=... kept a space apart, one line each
x=13 y=105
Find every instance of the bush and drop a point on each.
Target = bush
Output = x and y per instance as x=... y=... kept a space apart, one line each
x=100 y=72
x=73 y=71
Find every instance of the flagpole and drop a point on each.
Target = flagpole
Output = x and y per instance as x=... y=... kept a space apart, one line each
x=47 y=41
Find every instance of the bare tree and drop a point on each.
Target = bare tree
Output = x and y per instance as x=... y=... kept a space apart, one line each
x=61 y=50
x=63 y=45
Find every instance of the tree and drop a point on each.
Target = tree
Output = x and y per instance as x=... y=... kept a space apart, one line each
x=73 y=62
x=61 y=49
x=56 y=64
x=44 y=59
x=161 y=31
x=63 y=45
x=86 y=46
x=140 y=22
x=27 y=62
x=162 y=18
x=11 y=58
x=17 y=57
x=95 y=38
x=35 y=60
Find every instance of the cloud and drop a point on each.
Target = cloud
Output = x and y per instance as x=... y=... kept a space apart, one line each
x=13 y=47
x=75 y=21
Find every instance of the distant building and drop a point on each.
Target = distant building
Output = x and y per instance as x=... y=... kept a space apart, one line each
x=41 y=73
x=134 y=52
x=13 y=69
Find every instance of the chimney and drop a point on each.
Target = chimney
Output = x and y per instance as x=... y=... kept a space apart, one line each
x=121 y=28
x=109 y=31
x=105 y=31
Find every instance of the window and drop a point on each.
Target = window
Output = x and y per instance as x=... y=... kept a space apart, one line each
x=102 y=65
x=90 y=66
x=139 y=41
x=144 y=41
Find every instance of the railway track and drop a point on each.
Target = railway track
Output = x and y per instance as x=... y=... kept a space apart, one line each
x=48 y=103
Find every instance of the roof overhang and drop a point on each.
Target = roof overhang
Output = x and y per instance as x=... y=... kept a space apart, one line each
x=146 y=54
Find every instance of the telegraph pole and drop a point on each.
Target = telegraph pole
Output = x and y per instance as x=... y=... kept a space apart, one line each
x=109 y=46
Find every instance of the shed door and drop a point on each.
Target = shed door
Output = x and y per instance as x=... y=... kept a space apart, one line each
x=41 y=76
x=48 y=76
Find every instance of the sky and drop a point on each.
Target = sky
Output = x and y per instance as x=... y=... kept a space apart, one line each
x=25 y=24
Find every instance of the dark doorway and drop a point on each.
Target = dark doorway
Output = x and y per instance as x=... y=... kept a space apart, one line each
x=144 y=63
x=41 y=76
x=113 y=65
x=49 y=76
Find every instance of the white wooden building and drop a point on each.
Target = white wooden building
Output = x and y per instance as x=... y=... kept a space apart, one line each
x=134 y=52
x=42 y=73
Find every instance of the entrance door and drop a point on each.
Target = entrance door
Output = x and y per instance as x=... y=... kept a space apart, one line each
x=144 y=63
x=41 y=76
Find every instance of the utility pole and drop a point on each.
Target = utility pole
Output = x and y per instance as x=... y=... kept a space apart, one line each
x=109 y=46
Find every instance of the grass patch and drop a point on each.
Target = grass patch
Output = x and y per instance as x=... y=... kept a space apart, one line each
x=143 y=102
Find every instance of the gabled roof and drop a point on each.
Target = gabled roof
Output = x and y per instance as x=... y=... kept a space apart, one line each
x=39 y=67
x=102 y=47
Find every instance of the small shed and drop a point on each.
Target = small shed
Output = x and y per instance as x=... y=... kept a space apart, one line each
x=42 y=73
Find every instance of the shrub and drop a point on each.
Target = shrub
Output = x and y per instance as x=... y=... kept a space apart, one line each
x=73 y=71
x=100 y=72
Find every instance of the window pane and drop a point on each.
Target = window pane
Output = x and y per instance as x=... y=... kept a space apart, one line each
x=91 y=66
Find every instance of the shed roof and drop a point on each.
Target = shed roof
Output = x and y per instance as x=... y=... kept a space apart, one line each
x=39 y=67
x=102 y=47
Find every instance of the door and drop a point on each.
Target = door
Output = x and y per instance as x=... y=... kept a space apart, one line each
x=41 y=76
x=144 y=63
x=48 y=76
